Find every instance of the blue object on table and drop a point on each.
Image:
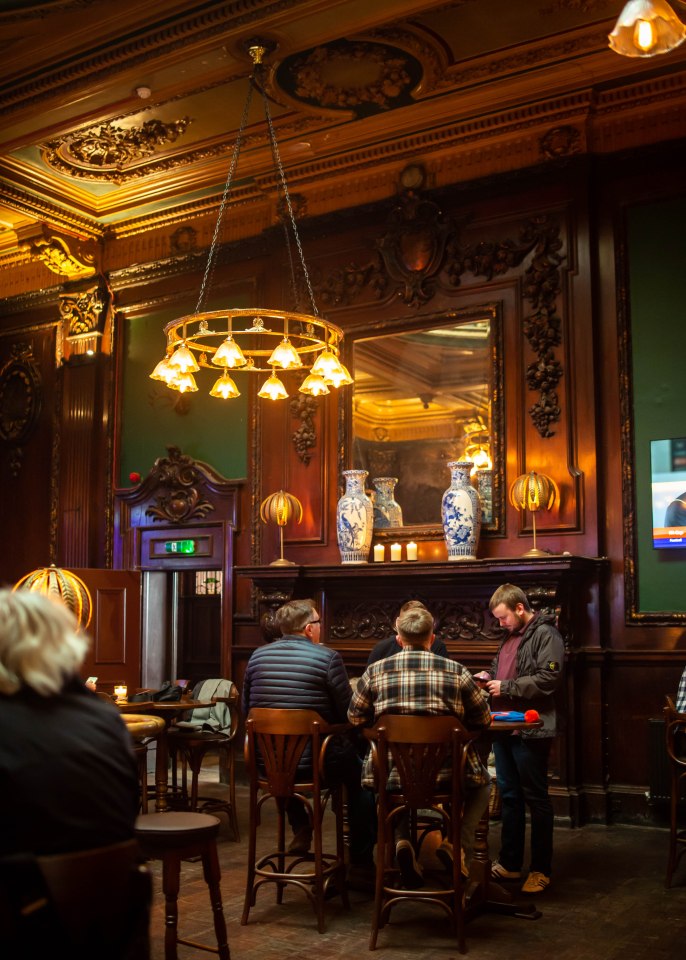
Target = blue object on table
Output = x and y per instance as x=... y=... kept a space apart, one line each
x=510 y=715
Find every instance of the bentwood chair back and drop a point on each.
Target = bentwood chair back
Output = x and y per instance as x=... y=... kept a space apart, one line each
x=675 y=734
x=208 y=730
x=418 y=747
x=277 y=742
x=92 y=903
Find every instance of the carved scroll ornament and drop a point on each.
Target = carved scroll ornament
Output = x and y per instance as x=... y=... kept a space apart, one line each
x=182 y=501
x=20 y=403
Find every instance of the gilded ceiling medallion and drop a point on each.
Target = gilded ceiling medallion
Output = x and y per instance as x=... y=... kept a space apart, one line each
x=106 y=150
x=352 y=75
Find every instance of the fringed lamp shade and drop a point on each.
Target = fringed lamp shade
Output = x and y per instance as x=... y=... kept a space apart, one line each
x=278 y=508
x=61 y=585
x=534 y=491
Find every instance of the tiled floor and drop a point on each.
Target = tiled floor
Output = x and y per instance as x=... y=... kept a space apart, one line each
x=607 y=902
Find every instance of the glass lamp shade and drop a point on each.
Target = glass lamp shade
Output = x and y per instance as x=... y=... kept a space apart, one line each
x=225 y=388
x=163 y=371
x=285 y=356
x=182 y=359
x=314 y=385
x=272 y=389
x=339 y=378
x=229 y=354
x=327 y=364
x=184 y=383
x=63 y=586
x=646 y=28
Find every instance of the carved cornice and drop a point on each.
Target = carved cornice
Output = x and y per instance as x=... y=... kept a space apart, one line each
x=58 y=217
x=171 y=35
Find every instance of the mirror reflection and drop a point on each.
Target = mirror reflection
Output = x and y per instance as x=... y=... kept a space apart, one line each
x=420 y=399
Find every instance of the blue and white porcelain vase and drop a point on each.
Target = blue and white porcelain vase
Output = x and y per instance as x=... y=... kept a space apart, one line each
x=387 y=510
x=461 y=513
x=354 y=519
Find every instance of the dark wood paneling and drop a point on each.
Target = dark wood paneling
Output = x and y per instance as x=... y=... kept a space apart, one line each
x=115 y=654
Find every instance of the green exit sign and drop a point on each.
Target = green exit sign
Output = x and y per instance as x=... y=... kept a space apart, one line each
x=179 y=546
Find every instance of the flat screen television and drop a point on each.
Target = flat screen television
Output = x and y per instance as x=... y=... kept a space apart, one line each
x=668 y=482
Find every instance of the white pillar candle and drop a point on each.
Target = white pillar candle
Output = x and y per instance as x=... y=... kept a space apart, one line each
x=396 y=551
x=411 y=550
x=120 y=691
x=379 y=553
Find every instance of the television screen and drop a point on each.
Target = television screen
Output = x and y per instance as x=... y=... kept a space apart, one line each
x=668 y=475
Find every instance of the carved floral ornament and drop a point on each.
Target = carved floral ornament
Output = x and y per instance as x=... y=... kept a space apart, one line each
x=109 y=152
x=422 y=251
x=20 y=402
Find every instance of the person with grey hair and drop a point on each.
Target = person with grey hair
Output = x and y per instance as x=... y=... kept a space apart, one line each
x=298 y=672
x=415 y=681
x=68 y=777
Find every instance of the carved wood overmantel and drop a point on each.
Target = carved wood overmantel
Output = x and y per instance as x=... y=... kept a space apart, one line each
x=359 y=605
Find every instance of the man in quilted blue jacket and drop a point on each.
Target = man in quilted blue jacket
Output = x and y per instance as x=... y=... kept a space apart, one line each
x=298 y=672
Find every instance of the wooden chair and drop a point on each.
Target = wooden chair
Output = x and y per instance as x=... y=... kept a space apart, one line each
x=418 y=747
x=92 y=903
x=192 y=746
x=675 y=734
x=276 y=740
x=175 y=836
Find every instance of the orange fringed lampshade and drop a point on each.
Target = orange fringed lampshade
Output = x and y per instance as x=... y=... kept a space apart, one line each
x=278 y=508
x=534 y=491
x=62 y=585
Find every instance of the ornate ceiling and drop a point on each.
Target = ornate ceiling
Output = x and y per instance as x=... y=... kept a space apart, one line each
x=119 y=118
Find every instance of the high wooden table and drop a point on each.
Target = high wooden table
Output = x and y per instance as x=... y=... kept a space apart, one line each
x=168 y=712
x=483 y=894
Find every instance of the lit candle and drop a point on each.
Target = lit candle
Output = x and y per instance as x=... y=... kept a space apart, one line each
x=379 y=553
x=120 y=692
x=411 y=550
x=396 y=551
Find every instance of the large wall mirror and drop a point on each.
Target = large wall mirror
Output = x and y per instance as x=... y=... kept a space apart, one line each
x=427 y=392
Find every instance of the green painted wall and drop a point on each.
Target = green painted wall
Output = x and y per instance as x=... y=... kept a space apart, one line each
x=204 y=427
x=657 y=272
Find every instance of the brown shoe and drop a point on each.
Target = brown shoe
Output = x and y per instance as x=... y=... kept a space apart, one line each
x=535 y=883
x=301 y=842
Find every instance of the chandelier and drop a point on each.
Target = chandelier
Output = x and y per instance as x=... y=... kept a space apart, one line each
x=646 y=28
x=262 y=340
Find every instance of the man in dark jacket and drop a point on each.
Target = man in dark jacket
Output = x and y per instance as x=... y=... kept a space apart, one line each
x=297 y=672
x=526 y=672
x=389 y=646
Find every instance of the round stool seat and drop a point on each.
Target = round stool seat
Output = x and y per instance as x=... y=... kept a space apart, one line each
x=141 y=725
x=176 y=828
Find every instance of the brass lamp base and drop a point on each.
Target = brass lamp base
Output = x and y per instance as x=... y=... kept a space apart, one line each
x=282 y=562
x=535 y=552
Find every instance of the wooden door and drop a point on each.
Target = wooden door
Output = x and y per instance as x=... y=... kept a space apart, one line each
x=115 y=628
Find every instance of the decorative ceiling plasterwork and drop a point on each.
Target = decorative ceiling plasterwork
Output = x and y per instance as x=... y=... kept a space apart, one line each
x=105 y=151
x=362 y=75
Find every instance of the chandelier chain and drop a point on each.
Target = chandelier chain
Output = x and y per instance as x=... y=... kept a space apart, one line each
x=212 y=256
x=291 y=214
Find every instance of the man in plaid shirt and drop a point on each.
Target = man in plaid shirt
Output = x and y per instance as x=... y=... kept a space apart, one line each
x=681 y=694
x=415 y=681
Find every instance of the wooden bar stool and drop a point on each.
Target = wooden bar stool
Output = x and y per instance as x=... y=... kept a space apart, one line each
x=675 y=733
x=418 y=748
x=274 y=746
x=172 y=837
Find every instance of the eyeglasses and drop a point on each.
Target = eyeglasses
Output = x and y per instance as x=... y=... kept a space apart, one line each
x=312 y=622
